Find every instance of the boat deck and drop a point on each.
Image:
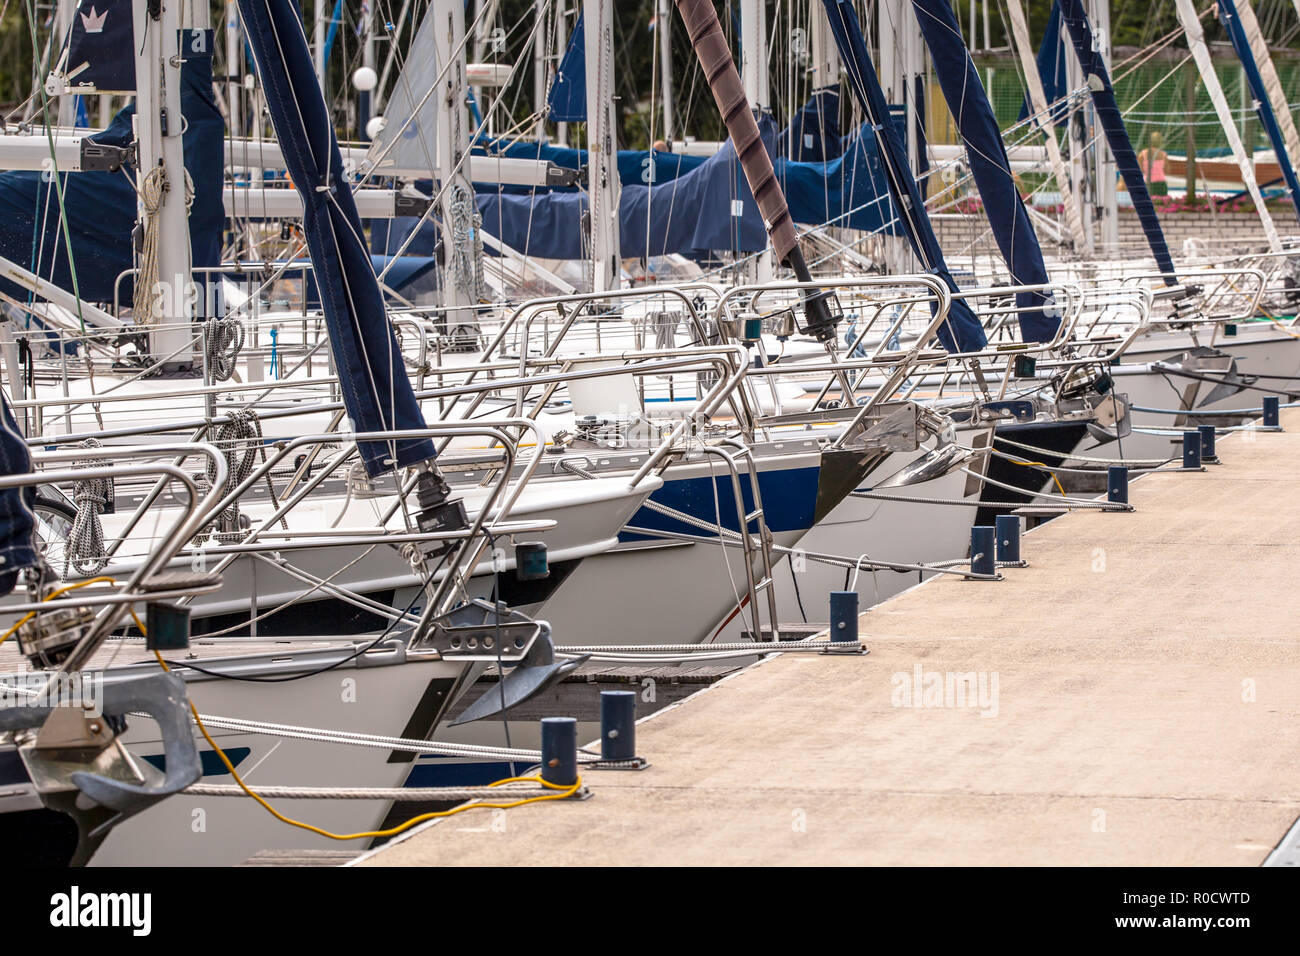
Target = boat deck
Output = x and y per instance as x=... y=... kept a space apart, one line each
x=1147 y=692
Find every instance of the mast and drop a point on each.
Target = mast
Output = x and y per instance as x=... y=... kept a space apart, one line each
x=602 y=143
x=753 y=69
x=1107 y=196
x=825 y=64
x=561 y=44
x=164 y=288
x=1039 y=107
x=664 y=35
x=539 y=52
x=460 y=274
x=234 y=80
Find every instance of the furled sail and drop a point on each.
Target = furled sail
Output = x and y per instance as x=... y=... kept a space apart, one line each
x=1037 y=105
x=987 y=157
x=376 y=391
x=1236 y=30
x=962 y=332
x=1201 y=54
x=1112 y=123
x=1272 y=82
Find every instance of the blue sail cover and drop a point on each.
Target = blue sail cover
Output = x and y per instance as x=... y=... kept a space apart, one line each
x=1103 y=100
x=635 y=166
x=848 y=191
x=813 y=135
x=687 y=214
x=100 y=47
x=567 y=101
x=376 y=392
x=961 y=332
x=1263 y=108
x=17 y=523
x=707 y=208
x=1051 y=71
x=101 y=206
x=987 y=157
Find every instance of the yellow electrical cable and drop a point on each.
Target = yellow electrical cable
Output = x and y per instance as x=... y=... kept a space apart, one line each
x=51 y=596
x=1039 y=464
x=560 y=791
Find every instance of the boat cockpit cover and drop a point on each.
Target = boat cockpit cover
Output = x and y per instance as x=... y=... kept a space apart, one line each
x=961 y=332
x=1103 y=100
x=17 y=524
x=987 y=157
x=813 y=135
x=376 y=391
x=101 y=206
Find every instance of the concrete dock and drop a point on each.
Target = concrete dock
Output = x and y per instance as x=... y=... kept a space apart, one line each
x=1134 y=698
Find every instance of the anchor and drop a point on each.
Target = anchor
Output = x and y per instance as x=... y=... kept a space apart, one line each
x=495 y=634
x=77 y=765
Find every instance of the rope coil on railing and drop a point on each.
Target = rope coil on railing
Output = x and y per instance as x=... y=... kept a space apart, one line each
x=85 y=551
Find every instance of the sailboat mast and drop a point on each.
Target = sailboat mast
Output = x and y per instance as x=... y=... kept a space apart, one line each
x=664 y=36
x=233 y=78
x=1107 y=173
x=164 y=286
x=602 y=143
x=460 y=275
x=753 y=72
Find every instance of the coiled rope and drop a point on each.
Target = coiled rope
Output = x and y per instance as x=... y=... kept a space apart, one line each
x=240 y=428
x=223 y=343
x=153 y=188
x=85 y=551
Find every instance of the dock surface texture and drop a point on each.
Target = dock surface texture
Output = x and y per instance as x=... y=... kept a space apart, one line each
x=1147 y=673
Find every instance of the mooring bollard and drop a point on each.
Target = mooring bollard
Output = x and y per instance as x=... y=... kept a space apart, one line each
x=1207 y=443
x=1117 y=484
x=560 y=750
x=617 y=725
x=1271 y=406
x=1191 y=450
x=982 y=550
x=844 y=616
x=1008 y=533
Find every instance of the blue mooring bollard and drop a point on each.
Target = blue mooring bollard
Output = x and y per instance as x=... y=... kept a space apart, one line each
x=844 y=616
x=617 y=725
x=1008 y=534
x=1271 y=405
x=1117 y=484
x=983 y=558
x=560 y=750
x=1207 y=443
x=1191 y=449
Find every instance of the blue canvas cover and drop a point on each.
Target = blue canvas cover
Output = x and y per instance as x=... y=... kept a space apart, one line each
x=373 y=380
x=567 y=101
x=17 y=524
x=101 y=206
x=813 y=135
x=99 y=46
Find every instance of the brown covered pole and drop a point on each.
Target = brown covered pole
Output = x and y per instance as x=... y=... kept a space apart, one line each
x=711 y=49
